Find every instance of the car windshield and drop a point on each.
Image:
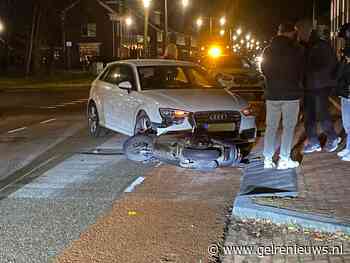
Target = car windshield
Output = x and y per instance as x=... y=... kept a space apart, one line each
x=175 y=77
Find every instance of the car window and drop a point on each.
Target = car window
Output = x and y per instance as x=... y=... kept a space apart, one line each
x=120 y=73
x=174 y=77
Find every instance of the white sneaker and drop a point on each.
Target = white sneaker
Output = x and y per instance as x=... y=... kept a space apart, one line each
x=343 y=153
x=346 y=158
x=269 y=164
x=284 y=164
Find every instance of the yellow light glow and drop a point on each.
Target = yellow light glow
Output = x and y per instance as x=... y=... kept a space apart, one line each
x=185 y=3
x=199 y=22
x=128 y=21
x=222 y=32
x=2 y=27
x=247 y=37
x=180 y=114
x=239 y=31
x=146 y=3
x=222 y=21
x=260 y=59
x=215 y=52
x=234 y=38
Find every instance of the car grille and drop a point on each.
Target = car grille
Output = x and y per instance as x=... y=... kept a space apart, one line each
x=217 y=117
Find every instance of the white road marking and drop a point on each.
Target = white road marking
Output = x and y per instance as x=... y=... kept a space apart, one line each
x=30 y=172
x=135 y=183
x=17 y=130
x=47 y=121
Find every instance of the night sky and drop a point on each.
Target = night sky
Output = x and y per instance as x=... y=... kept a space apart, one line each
x=261 y=17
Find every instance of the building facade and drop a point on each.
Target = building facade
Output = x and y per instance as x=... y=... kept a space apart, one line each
x=97 y=30
x=340 y=14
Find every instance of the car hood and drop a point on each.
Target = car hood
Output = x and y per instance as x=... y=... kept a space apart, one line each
x=197 y=100
x=238 y=71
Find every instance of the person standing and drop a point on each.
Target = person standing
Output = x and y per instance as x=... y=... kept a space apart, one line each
x=282 y=67
x=321 y=62
x=343 y=88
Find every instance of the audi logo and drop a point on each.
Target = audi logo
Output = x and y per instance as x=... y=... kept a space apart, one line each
x=218 y=116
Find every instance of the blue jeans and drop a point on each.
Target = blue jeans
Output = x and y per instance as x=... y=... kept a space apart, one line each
x=316 y=109
x=289 y=111
x=345 y=109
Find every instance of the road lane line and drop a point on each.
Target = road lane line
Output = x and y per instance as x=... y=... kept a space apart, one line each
x=30 y=172
x=17 y=130
x=135 y=183
x=47 y=121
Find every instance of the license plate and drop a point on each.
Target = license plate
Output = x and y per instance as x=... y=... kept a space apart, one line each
x=222 y=127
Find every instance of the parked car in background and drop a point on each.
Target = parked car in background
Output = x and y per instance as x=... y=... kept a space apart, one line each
x=234 y=72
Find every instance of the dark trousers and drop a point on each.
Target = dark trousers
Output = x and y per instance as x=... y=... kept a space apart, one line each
x=316 y=108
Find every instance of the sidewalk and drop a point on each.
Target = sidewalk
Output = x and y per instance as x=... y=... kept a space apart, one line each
x=172 y=217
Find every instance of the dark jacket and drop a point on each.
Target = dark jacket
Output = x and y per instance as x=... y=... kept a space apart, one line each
x=343 y=87
x=283 y=67
x=321 y=62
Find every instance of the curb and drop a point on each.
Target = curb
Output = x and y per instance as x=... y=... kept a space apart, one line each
x=245 y=208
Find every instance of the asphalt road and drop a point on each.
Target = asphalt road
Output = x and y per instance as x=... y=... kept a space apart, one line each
x=53 y=182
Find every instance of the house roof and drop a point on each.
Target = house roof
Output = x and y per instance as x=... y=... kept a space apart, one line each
x=104 y=5
x=112 y=12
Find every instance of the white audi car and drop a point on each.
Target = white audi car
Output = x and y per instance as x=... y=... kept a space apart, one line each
x=165 y=96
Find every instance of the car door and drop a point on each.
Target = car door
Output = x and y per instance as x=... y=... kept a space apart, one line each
x=121 y=104
x=129 y=102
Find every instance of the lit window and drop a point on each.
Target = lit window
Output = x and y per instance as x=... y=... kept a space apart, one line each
x=88 y=30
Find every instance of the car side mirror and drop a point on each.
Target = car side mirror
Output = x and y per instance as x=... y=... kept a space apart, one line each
x=125 y=85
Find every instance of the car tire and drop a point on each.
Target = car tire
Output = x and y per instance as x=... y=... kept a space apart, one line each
x=139 y=148
x=201 y=155
x=234 y=157
x=143 y=124
x=95 y=129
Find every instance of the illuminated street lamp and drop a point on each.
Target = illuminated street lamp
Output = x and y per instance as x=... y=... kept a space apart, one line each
x=222 y=32
x=2 y=27
x=185 y=3
x=146 y=5
x=239 y=31
x=199 y=22
x=234 y=38
x=247 y=37
x=242 y=41
x=128 y=21
x=222 y=21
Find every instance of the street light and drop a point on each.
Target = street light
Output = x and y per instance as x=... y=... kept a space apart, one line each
x=2 y=27
x=234 y=38
x=247 y=37
x=239 y=31
x=222 y=32
x=185 y=3
x=199 y=22
x=222 y=21
x=128 y=21
x=146 y=5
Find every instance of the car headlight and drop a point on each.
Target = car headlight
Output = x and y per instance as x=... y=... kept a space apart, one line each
x=173 y=115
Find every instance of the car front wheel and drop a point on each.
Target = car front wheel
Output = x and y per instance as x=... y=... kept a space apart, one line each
x=95 y=129
x=143 y=124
